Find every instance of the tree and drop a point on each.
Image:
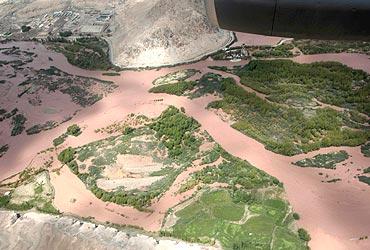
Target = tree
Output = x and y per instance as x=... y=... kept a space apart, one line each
x=296 y=216
x=74 y=130
x=65 y=33
x=67 y=155
x=304 y=235
x=25 y=28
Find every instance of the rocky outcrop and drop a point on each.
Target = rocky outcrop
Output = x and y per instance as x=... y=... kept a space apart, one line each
x=41 y=231
x=163 y=32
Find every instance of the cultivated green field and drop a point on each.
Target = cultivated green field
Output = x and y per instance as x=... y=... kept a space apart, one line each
x=255 y=222
x=250 y=214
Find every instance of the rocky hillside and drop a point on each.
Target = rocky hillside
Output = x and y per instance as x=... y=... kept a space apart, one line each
x=144 y=32
x=163 y=32
x=41 y=231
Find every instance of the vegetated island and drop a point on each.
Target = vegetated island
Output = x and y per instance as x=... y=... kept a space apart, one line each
x=328 y=161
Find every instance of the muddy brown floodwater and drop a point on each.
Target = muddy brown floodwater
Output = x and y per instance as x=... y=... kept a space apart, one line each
x=335 y=214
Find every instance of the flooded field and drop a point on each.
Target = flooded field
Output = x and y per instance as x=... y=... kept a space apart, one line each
x=337 y=214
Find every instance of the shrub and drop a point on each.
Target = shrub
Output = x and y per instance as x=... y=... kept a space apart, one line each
x=365 y=149
x=87 y=53
x=175 y=130
x=328 y=161
x=296 y=216
x=367 y=170
x=304 y=235
x=25 y=28
x=65 y=33
x=48 y=208
x=321 y=46
x=74 y=130
x=111 y=74
x=41 y=127
x=18 y=124
x=364 y=179
x=4 y=200
x=67 y=155
x=59 y=140
x=73 y=166
x=3 y=149
x=128 y=130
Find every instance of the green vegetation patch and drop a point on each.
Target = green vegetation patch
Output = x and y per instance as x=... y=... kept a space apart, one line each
x=41 y=127
x=6 y=115
x=67 y=155
x=3 y=149
x=234 y=171
x=170 y=140
x=176 y=131
x=320 y=46
x=31 y=191
x=59 y=140
x=209 y=83
x=296 y=216
x=303 y=234
x=328 y=82
x=285 y=130
x=365 y=149
x=249 y=214
x=74 y=130
x=111 y=74
x=25 y=28
x=18 y=122
x=66 y=33
x=328 y=161
x=289 y=121
x=83 y=91
x=216 y=216
x=280 y=51
x=87 y=53
x=367 y=170
x=364 y=179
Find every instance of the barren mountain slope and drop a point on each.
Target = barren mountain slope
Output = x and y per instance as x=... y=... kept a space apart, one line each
x=145 y=32
x=163 y=32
